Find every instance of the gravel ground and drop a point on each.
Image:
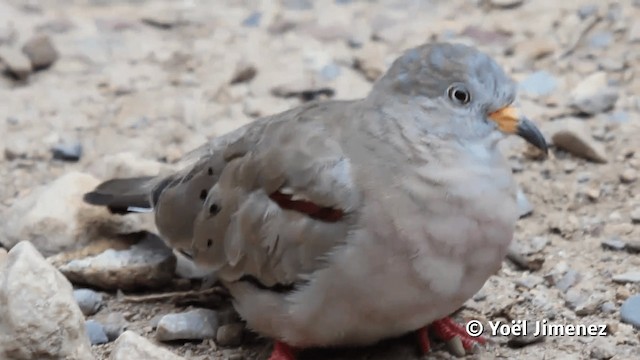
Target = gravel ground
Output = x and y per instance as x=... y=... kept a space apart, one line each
x=157 y=78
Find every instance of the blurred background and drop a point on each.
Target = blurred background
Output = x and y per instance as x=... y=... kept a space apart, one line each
x=95 y=89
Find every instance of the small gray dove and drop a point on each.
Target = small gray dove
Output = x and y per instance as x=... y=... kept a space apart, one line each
x=347 y=222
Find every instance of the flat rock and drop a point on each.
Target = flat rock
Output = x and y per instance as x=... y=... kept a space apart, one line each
x=54 y=217
x=148 y=264
x=191 y=325
x=67 y=151
x=574 y=136
x=133 y=346
x=16 y=63
x=88 y=300
x=630 y=311
x=40 y=51
x=593 y=95
x=37 y=307
x=628 y=277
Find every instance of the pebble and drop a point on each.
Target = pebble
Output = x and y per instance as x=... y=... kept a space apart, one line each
x=608 y=307
x=628 y=277
x=253 y=20
x=230 y=334
x=573 y=135
x=40 y=51
x=529 y=338
x=15 y=62
x=88 y=300
x=244 y=72
x=613 y=244
x=540 y=83
x=67 y=151
x=593 y=95
x=601 y=39
x=38 y=308
x=635 y=216
x=525 y=207
x=602 y=350
x=130 y=345
x=630 y=311
x=628 y=175
x=568 y=279
x=506 y=4
x=191 y=325
x=633 y=246
x=96 y=333
x=55 y=218
x=114 y=324
x=148 y=264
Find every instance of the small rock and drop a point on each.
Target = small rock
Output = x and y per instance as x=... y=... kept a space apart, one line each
x=633 y=246
x=15 y=62
x=628 y=277
x=148 y=264
x=630 y=311
x=95 y=332
x=608 y=307
x=524 y=206
x=573 y=135
x=628 y=175
x=55 y=218
x=540 y=83
x=305 y=94
x=244 y=73
x=253 y=20
x=88 y=300
x=602 y=350
x=162 y=18
x=601 y=39
x=522 y=340
x=568 y=279
x=230 y=334
x=588 y=10
x=635 y=216
x=191 y=325
x=133 y=346
x=506 y=4
x=39 y=319
x=593 y=95
x=634 y=33
x=114 y=324
x=613 y=244
x=40 y=51
x=67 y=151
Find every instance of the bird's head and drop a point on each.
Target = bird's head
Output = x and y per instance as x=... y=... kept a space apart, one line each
x=457 y=91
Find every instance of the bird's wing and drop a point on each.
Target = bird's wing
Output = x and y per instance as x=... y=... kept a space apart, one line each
x=268 y=201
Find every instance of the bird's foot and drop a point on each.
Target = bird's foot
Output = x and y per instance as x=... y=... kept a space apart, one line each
x=455 y=335
x=282 y=351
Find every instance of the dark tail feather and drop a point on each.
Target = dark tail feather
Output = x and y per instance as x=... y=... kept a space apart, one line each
x=122 y=196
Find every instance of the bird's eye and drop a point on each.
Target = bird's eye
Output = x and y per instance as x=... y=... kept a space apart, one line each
x=459 y=94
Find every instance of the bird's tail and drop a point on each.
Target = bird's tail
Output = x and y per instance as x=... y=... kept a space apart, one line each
x=123 y=196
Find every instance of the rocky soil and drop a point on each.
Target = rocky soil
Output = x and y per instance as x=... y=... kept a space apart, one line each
x=94 y=89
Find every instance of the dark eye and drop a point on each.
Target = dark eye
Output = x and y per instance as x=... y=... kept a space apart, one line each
x=459 y=94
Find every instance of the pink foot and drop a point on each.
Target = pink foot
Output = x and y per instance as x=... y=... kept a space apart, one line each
x=446 y=330
x=282 y=351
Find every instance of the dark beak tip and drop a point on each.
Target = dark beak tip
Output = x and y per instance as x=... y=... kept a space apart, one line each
x=529 y=132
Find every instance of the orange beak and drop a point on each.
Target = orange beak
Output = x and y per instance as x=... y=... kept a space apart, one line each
x=510 y=122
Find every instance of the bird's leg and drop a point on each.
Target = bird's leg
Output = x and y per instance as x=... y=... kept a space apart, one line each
x=282 y=351
x=449 y=331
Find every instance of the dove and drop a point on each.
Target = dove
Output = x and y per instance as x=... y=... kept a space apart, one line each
x=345 y=222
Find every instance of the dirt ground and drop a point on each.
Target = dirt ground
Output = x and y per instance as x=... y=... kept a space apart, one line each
x=158 y=78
